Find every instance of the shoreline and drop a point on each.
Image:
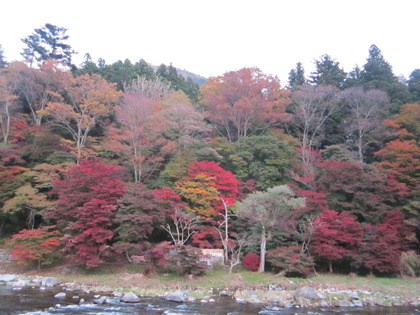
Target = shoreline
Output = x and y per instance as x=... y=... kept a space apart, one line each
x=306 y=294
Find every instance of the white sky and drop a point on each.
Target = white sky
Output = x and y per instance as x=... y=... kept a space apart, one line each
x=211 y=37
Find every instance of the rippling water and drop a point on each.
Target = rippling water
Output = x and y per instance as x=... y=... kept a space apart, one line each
x=36 y=301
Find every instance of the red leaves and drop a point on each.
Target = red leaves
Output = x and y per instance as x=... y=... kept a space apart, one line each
x=86 y=198
x=383 y=244
x=224 y=181
x=336 y=236
x=39 y=245
x=251 y=261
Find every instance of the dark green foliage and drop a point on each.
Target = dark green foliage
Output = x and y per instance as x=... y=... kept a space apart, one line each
x=58 y=157
x=297 y=76
x=178 y=82
x=265 y=159
x=290 y=261
x=3 y=62
x=48 y=42
x=328 y=72
x=414 y=85
x=119 y=72
x=377 y=74
x=337 y=152
x=125 y=72
x=353 y=78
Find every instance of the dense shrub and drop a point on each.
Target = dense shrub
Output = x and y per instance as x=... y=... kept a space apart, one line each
x=410 y=264
x=251 y=261
x=183 y=260
x=40 y=246
x=290 y=261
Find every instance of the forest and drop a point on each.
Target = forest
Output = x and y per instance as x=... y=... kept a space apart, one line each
x=126 y=162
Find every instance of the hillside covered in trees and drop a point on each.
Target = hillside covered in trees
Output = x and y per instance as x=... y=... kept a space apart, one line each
x=103 y=162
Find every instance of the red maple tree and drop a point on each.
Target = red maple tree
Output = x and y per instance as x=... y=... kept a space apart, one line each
x=383 y=244
x=86 y=201
x=337 y=236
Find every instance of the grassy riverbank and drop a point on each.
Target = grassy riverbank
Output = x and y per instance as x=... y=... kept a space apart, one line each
x=126 y=278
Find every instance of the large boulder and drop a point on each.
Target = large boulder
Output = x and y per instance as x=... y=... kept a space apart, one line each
x=8 y=278
x=309 y=293
x=130 y=297
x=49 y=281
x=177 y=296
x=60 y=295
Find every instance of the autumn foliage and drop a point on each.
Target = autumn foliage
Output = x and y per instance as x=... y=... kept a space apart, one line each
x=40 y=246
x=86 y=202
x=121 y=161
x=337 y=236
x=251 y=261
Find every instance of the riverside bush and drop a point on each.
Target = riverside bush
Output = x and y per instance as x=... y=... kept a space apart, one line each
x=290 y=261
x=251 y=261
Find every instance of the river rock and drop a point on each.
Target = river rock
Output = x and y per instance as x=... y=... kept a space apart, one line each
x=344 y=303
x=130 y=297
x=353 y=296
x=20 y=283
x=177 y=296
x=60 y=295
x=254 y=300
x=357 y=303
x=49 y=281
x=309 y=293
x=117 y=294
x=8 y=278
x=274 y=287
x=101 y=300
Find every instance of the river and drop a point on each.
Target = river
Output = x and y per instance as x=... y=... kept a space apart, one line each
x=36 y=301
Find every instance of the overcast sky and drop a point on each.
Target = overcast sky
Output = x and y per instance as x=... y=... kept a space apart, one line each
x=211 y=37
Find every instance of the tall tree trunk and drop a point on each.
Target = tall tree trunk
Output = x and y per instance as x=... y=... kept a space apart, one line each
x=330 y=266
x=360 y=148
x=261 y=268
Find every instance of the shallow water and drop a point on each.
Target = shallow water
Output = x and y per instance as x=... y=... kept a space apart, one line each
x=36 y=301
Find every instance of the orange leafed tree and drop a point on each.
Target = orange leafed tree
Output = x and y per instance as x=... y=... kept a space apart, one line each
x=38 y=86
x=245 y=102
x=89 y=99
x=401 y=158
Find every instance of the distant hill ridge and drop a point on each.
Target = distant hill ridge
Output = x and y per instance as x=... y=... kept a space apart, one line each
x=187 y=74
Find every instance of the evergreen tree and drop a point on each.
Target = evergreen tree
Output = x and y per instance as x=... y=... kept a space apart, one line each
x=297 y=76
x=48 y=42
x=2 y=61
x=353 y=78
x=125 y=72
x=377 y=74
x=170 y=75
x=414 y=85
x=88 y=66
x=328 y=72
